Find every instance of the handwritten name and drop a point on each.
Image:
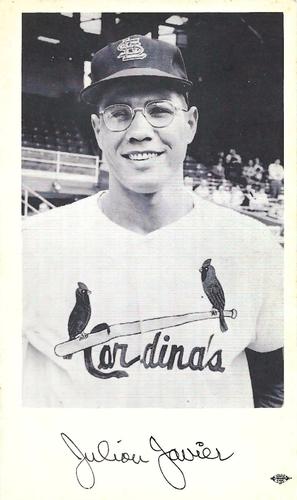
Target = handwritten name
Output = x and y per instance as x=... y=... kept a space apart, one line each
x=168 y=461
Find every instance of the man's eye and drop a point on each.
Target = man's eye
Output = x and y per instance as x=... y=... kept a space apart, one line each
x=120 y=115
x=159 y=110
x=117 y=114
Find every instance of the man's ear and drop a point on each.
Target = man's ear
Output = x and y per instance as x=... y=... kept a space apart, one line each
x=96 y=127
x=192 y=121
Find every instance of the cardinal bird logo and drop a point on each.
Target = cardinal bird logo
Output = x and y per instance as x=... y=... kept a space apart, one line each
x=80 y=314
x=214 y=291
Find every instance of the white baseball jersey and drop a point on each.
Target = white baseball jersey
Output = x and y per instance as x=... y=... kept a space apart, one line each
x=165 y=347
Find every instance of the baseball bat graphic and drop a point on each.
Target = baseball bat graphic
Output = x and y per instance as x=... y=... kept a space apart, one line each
x=135 y=328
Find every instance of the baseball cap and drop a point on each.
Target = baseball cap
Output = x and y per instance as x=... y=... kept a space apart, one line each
x=136 y=56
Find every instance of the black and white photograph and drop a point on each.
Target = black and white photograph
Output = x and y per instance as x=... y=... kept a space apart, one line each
x=148 y=250
x=153 y=209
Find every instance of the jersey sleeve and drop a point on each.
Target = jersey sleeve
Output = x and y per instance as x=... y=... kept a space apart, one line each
x=269 y=326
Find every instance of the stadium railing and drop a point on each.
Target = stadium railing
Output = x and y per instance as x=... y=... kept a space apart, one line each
x=60 y=165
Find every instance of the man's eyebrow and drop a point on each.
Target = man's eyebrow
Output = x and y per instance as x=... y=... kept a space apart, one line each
x=125 y=100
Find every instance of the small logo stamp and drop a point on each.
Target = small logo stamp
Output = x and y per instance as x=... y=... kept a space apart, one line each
x=280 y=478
x=130 y=48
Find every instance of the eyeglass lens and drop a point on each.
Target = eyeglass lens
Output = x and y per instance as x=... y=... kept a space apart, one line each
x=119 y=116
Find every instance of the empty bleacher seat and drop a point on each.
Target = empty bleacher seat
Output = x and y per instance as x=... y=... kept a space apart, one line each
x=48 y=123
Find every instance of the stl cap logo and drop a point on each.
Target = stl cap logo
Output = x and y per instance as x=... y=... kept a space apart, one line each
x=130 y=49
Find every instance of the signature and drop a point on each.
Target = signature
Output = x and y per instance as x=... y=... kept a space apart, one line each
x=168 y=461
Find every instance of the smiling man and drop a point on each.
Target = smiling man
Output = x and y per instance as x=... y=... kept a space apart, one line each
x=139 y=128
x=145 y=295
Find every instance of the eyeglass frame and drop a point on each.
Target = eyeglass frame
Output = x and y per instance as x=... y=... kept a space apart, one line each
x=142 y=109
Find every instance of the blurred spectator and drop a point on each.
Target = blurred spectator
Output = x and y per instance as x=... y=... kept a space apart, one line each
x=248 y=172
x=217 y=195
x=188 y=182
x=237 y=196
x=222 y=195
x=260 y=200
x=248 y=193
x=277 y=209
x=43 y=207
x=258 y=171
x=218 y=171
x=221 y=156
x=258 y=161
x=203 y=189
x=276 y=175
x=233 y=167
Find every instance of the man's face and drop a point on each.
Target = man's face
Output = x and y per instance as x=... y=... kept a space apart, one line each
x=144 y=158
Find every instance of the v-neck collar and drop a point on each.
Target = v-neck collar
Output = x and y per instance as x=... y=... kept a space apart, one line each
x=183 y=220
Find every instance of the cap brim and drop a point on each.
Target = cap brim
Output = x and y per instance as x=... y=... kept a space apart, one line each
x=91 y=93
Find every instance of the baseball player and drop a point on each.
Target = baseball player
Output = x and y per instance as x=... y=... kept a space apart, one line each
x=146 y=295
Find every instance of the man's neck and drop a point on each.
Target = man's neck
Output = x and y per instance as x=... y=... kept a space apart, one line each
x=144 y=213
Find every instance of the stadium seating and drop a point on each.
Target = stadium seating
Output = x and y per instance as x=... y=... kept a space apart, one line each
x=49 y=123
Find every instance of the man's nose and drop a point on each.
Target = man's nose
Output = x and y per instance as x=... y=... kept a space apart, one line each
x=140 y=129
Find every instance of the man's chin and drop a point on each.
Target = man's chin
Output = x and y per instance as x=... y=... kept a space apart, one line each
x=147 y=188
x=143 y=183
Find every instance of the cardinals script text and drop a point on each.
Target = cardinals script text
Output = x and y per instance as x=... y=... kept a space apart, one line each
x=157 y=355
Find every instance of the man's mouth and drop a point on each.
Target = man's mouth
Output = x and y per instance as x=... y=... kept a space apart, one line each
x=137 y=156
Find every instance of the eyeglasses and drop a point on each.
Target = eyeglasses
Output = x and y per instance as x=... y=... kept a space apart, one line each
x=159 y=114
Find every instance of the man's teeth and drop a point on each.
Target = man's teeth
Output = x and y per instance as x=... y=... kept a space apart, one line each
x=142 y=156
